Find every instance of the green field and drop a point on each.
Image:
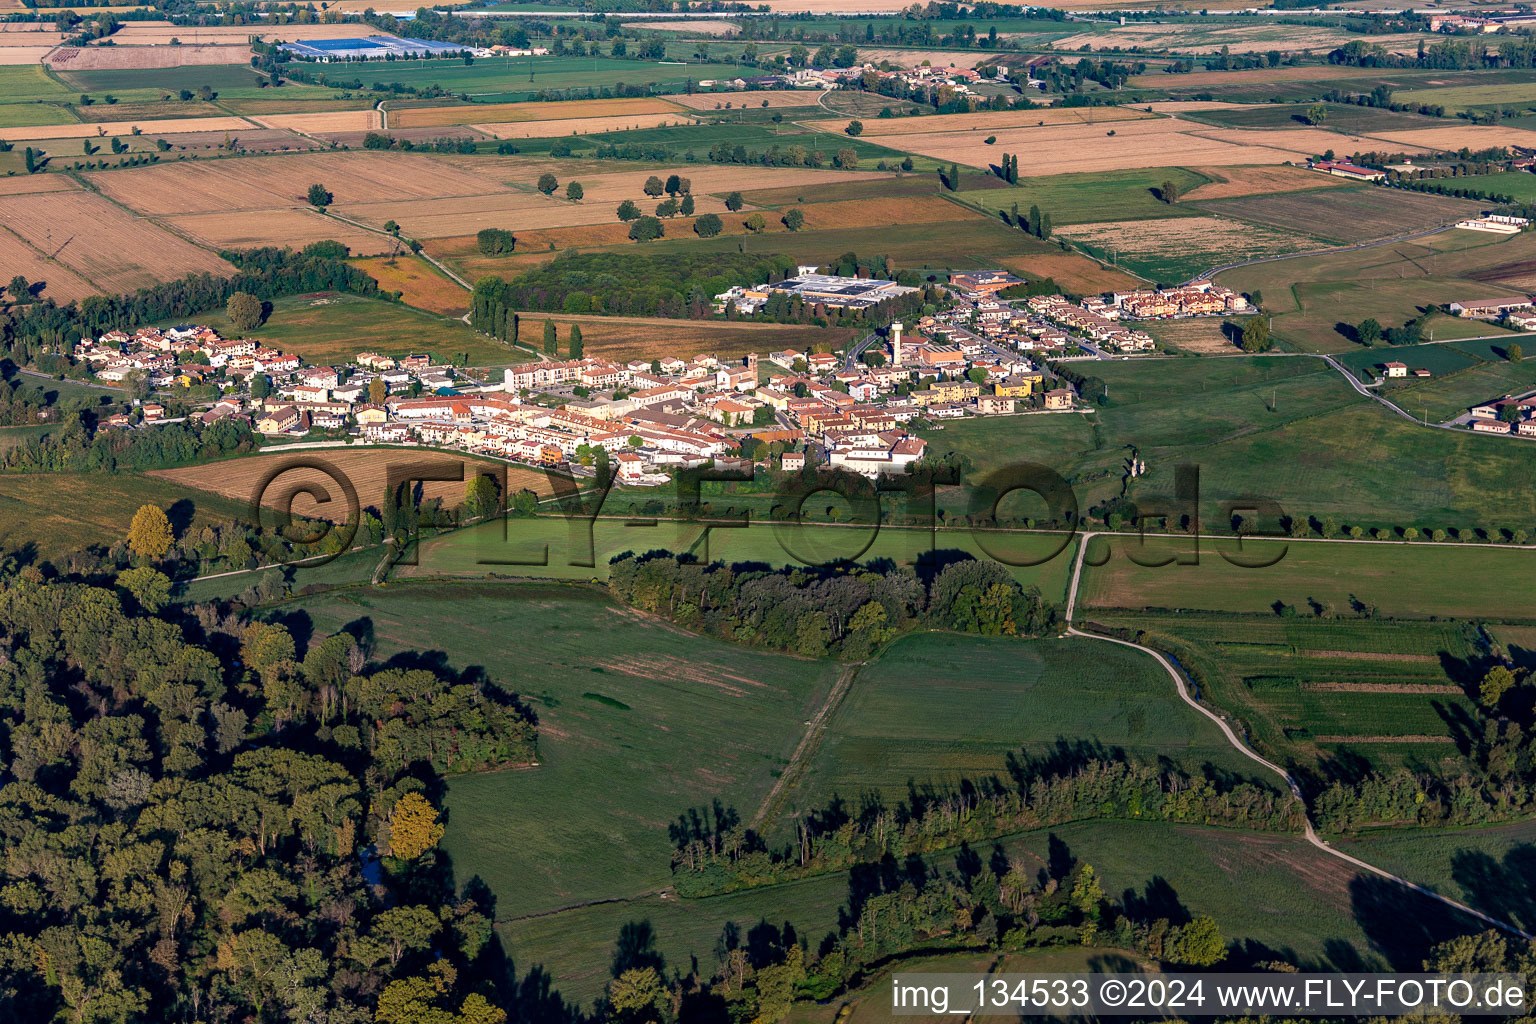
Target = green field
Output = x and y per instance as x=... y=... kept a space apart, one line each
x=1521 y=185
x=1316 y=300
x=1469 y=97
x=31 y=97
x=937 y=709
x=1399 y=580
x=1485 y=374
x=506 y=80
x=1488 y=869
x=754 y=137
x=1293 y=431
x=1082 y=198
x=702 y=720
x=1347 y=214
x=473 y=552
x=334 y=328
x=50 y=515
x=1341 y=117
x=1326 y=696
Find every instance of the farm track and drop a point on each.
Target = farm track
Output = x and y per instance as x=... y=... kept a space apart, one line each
x=815 y=732
x=1309 y=832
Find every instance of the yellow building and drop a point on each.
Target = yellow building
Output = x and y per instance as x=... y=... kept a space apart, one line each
x=1020 y=385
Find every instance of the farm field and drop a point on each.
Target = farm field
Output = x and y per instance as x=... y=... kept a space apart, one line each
x=332 y=328
x=50 y=515
x=419 y=283
x=554 y=129
x=149 y=127
x=296 y=228
x=1319 y=694
x=590 y=826
x=1285 y=428
x=1182 y=37
x=126 y=58
x=1521 y=185
x=1341 y=117
x=1173 y=250
x=1206 y=335
x=506 y=80
x=1400 y=580
x=50 y=280
x=624 y=338
x=101 y=243
x=1488 y=868
x=500 y=113
x=1080 y=198
x=936 y=710
x=1231 y=182
x=1347 y=215
x=1445 y=397
x=986 y=121
x=365 y=468
x=1311 y=297
x=1153 y=142
x=772 y=97
x=1074 y=272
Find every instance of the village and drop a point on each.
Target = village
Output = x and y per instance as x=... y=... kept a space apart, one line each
x=860 y=411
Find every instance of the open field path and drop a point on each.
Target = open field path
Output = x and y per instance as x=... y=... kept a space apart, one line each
x=1309 y=832
x=816 y=730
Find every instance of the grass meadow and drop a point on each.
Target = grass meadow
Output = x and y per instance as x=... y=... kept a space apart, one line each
x=638 y=722
x=1097 y=196
x=1283 y=428
x=1398 y=580
x=508 y=80
x=937 y=709
x=333 y=328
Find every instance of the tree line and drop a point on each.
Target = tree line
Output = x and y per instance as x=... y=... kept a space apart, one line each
x=846 y=612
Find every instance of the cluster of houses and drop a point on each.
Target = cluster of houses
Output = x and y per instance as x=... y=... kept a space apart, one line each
x=1507 y=415
x=957 y=79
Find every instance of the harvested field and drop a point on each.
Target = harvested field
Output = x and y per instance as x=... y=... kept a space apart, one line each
x=15 y=186
x=863 y=213
x=355 y=140
x=420 y=284
x=13 y=56
x=108 y=128
x=123 y=58
x=366 y=469
x=114 y=250
x=328 y=121
x=1471 y=136
x=1296 y=142
x=489 y=113
x=153 y=110
x=160 y=33
x=296 y=228
x=912 y=58
x=987 y=120
x=773 y=97
x=529 y=210
x=1183 y=106
x=59 y=283
x=580 y=125
x=1231 y=182
x=1348 y=215
x=1063 y=149
x=256 y=184
x=701 y=27
x=1073 y=272
x=1200 y=335
x=1246 y=38
x=1174 y=250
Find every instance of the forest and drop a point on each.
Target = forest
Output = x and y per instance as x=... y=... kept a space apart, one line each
x=208 y=818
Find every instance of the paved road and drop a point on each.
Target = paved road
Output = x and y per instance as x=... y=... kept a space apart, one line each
x=1309 y=833
x=858 y=349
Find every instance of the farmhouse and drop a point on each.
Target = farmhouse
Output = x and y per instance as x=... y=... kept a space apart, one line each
x=1397 y=369
x=1498 y=224
x=1339 y=169
x=984 y=282
x=1484 y=309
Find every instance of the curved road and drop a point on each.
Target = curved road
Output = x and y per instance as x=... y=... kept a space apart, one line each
x=1309 y=833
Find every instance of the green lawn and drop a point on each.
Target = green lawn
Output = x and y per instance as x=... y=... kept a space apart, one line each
x=1519 y=184
x=937 y=709
x=1100 y=196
